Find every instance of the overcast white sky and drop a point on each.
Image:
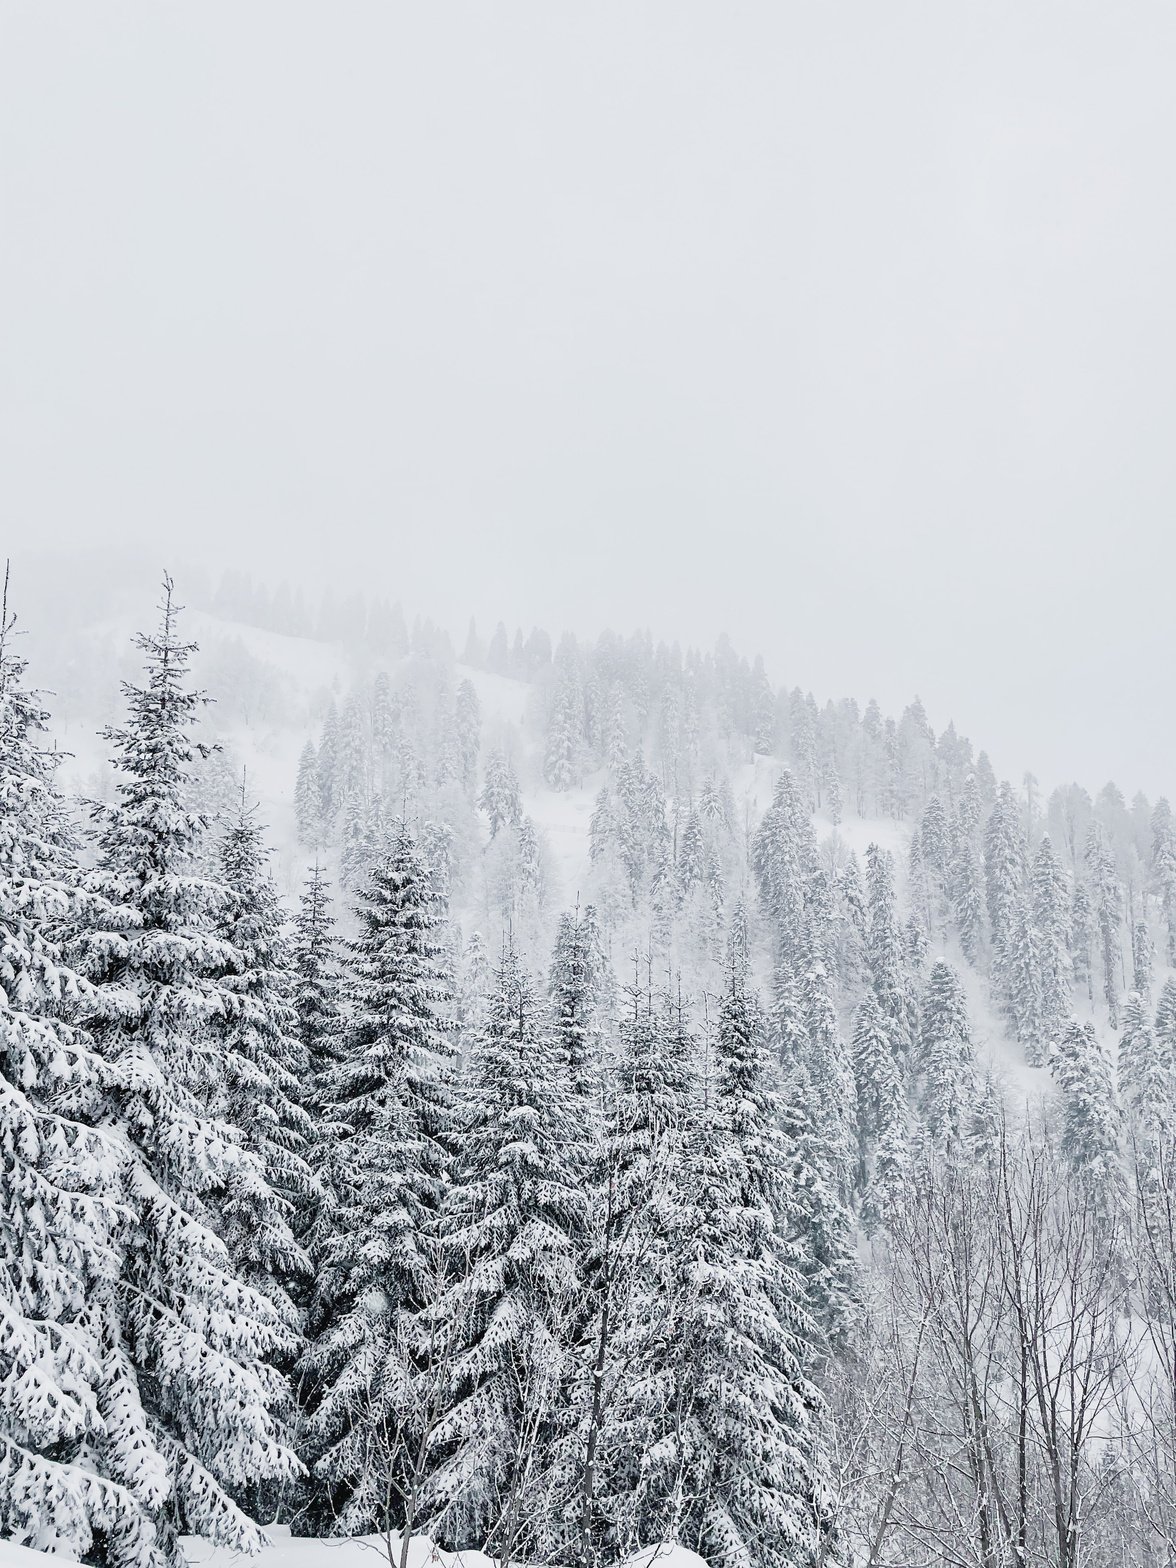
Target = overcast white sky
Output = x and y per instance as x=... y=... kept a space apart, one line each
x=847 y=328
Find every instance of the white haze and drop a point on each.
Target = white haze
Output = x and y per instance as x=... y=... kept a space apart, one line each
x=848 y=329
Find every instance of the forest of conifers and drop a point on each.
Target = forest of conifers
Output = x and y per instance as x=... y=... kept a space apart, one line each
x=792 y=1179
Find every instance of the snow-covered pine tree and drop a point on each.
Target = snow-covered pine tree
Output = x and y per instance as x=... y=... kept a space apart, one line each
x=385 y=732
x=787 y=1017
x=917 y=879
x=1166 y=1019
x=573 y=985
x=307 y=797
x=1147 y=1071
x=561 y=755
x=59 y=1233
x=783 y=859
x=1021 y=966
x=264 y=1077
x=1051 y=921
x=966 y=891
x=328 y=769
x=468 y=727
x=317 y=983
x=732 y=1470
x=691 y=865
x=936 y=846
x=1141 y=958
x=885 y=955
x=1081 y=929
x=1163 y=862
x=949 y=1072
x=829 y=1069
x=366 y=1375
x=1091 y=1117
x=1004 y=872
x=509 y=1236
x=878 y=1081
x=915 y=943
x=500 y=798
x=635 y=1196
x=472 y=993
x=187 y=1387
x=1106 y=898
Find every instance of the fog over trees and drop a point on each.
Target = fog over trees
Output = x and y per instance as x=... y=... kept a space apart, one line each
x=558 y=1097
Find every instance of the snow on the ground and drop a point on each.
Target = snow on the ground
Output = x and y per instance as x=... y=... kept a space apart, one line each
x=503 y=699
x=13 y=1556
x=369 y=1551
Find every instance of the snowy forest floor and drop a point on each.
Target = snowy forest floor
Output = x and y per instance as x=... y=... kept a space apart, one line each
x=372 y=1551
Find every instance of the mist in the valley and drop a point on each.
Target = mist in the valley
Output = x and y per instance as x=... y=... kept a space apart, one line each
x=846 y=330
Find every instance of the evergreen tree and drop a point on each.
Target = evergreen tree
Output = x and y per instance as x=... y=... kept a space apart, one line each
x=691 y=867
x=264 y=1074
x=877 y=1079
x=1141 y=958
x=475 y=986
x=1107 y=903
x=500 y=798
x=307 y=798
x=385 y=1172
x=936 y=846
x=967 y=894
x=946 y=1048
x=1166 y=1019
x=1004 y=870
x=1164 y=868
x=185 y=1345
x=573 y=984
x=330 y=792
x=734 y=1475
x=1091 y=1119
x=635 y=1191
x=1081 y=928
x=508 y=1229
x=885 y=956
x=783 y=858
x=1147 y=1072
x=560 y=759
x=829 y=1069
x=789 y=1026
x=59 y=1236
x=468 y=725
x=1051 y=921
x=317 y=988
x=1022 y=962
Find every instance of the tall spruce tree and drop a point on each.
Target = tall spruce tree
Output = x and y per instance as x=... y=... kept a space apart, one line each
x=734 y=1471
x=1106 y=897
x=886 y=956
x=508 y=1235
x=264 y=1077
x=946 y=1049
x=1051 y=920
x=317 y=998
x=635 y=1191
x=59 y=1232
x=1147 y=1072
x=363 y=1376
x=186 y=1345
x=1004 y=873
x=1091 y=1115
x=574 y=983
